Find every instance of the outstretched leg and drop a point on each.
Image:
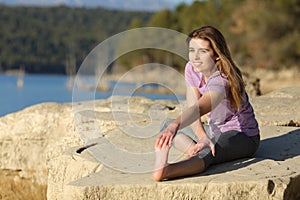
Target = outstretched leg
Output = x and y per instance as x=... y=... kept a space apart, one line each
x=163 y=170
x=161 y=162
x=184 y=144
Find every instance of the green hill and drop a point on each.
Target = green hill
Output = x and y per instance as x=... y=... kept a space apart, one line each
x=46 y=39
x=262 y=34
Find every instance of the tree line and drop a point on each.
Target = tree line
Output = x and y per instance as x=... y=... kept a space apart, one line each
x=49 y=39
x=260 y=34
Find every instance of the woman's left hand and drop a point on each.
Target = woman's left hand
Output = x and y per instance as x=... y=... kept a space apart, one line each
x=203 y=143
x=166 y=136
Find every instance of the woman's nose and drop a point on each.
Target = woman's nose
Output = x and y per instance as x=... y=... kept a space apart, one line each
x=197 y=55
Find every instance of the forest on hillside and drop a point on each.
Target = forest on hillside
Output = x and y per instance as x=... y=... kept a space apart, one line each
x=261 y=34
x=47 y=39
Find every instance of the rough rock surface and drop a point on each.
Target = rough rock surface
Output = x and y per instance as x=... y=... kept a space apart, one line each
x=280 y=107
x=270 y=174
x=26 y=137
x=62 y=142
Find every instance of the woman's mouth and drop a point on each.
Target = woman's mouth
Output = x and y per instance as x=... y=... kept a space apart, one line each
x=197 y=66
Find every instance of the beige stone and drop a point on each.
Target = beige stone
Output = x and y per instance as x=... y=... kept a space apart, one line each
x=27 y=136
x=272 y=174
x=280 y=107
x=31 y=137
x=55 y=142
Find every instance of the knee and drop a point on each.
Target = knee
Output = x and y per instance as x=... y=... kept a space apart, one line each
x=178 y=139
x=175 y=141
x=165 y=124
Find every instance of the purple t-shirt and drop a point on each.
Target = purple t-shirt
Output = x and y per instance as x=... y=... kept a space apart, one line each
x=223 y=117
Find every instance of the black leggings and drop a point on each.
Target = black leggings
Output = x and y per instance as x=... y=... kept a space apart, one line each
x=230 y=145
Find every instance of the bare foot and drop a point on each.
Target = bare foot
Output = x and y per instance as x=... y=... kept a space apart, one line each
x=161 y=162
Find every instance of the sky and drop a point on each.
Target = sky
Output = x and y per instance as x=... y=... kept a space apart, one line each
x=121 y=4
x=180 y=1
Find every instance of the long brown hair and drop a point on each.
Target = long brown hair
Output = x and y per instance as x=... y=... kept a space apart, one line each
x=224 y=64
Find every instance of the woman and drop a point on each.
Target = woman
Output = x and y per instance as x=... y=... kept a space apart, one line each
x=214 y=87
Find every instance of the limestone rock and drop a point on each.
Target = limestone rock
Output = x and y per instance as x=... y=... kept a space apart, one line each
x=28 y=135
x=31 y=137
x=280 y=108
x=67 y=168
x=61 y=139
x=272 y=174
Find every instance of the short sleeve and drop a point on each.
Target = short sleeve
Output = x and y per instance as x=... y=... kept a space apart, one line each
x=192 y=79
x=217 y=83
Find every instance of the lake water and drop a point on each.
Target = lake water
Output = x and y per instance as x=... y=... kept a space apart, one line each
x=46 y=88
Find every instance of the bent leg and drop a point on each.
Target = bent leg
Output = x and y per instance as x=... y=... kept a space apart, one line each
x=230 y=146
x=184 y=144
x=185 y=140
x=191 y=166
x=163 y=170
x=161 y=162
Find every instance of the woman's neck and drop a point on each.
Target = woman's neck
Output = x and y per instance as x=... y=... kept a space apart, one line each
x=209 y=73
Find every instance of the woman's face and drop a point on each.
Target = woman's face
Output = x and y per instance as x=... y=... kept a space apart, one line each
x=201 y=56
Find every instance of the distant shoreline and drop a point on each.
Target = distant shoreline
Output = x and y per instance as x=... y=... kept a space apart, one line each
x=15 y=72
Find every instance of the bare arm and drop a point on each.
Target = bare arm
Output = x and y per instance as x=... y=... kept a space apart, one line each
x=205 y=104
x=195 y=111
x=192 y=96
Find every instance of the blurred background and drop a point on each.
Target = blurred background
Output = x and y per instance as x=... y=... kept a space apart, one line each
x=43 y=43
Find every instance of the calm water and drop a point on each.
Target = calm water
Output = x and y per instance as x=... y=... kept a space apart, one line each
x=44 y=88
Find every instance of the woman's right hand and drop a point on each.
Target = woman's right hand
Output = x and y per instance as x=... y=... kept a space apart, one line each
x=204 y=142
x=165 y=137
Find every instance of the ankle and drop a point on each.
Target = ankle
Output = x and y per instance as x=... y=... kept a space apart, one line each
x=160 y=174
x=156 y=176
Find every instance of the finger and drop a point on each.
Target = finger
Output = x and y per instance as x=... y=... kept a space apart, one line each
x=191 y=153
x=200 y=146
x=157 y=140
x=213 y=150
x=160 y=141
x=196 y=149
x=170 y=140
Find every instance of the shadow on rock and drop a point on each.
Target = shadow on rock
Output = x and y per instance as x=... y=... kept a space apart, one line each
x=277 y=148
x=280 y=148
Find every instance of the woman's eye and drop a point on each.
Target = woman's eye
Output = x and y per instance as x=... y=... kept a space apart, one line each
x=191 y=50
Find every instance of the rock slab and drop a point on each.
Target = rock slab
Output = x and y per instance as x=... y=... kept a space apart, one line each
x=273 y=173
x=54 y=144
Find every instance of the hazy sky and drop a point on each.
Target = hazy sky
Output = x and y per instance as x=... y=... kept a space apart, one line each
x=179 y=1
x=48 y=2
x=119 y=4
